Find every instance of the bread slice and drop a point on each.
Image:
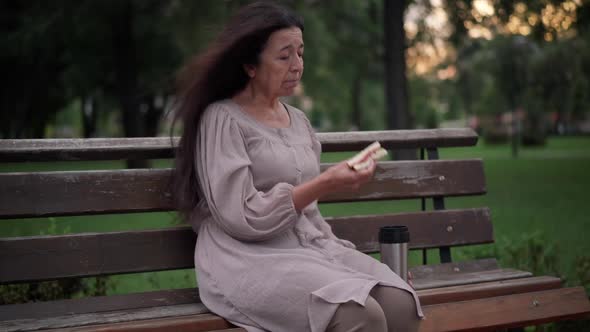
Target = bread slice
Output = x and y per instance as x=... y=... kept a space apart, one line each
x=363 y=159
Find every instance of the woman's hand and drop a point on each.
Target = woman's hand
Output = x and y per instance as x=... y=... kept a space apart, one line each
x=337 y=178
x=341 y=177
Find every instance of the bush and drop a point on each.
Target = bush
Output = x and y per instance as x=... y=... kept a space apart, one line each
x=52 y=290
x=535 y=253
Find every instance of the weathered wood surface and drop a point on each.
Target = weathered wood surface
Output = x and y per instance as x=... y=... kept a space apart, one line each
x=141 y=190
x=415 y=179
x=462 y=273
x=467 y=278
x=89 y=254
x=516 y=310
x=24 y=314
x=482 y=314
x=84 y=192
x=17 y=150
x=487 y=289
x=169 y=317
x=431 y=229
x=194 y=323
x=39 y=310
x=98 y=304
x=432 y=270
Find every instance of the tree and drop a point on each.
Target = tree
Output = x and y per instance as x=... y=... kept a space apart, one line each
x=32 y=63
x=563 y=89
x=343 y=53
x=396 y=94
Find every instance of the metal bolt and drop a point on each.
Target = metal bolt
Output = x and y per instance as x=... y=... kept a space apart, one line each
x=456 y=269
x=441 y=178
x=449 y=229
x=536 y=303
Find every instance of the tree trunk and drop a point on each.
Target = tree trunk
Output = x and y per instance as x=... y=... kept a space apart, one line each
x=89 y=116
x=127 y=74
x=515 y=126
x=356 y=93
x=153 y=114
x=396 y=95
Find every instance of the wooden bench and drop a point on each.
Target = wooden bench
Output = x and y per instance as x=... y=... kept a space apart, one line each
x=466 y=295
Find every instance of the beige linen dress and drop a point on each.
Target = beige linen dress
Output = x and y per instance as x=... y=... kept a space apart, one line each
x=261 y=264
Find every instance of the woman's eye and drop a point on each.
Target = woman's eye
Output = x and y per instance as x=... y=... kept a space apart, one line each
x=284 y=57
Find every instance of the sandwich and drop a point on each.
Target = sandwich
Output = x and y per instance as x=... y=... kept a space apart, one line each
x=363 y=159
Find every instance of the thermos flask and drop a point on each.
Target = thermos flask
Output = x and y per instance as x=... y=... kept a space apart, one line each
x=393 y=242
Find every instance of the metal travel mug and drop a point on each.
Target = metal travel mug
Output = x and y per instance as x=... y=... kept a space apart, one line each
x=393 y=242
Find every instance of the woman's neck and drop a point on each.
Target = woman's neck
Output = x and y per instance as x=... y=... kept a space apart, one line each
x=265 y=109
x=256 y=99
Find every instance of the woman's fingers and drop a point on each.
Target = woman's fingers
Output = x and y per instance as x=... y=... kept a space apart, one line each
x=410 y=279
x=367 y=172
x=349 y=178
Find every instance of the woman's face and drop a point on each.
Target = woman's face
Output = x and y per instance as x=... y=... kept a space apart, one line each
x=281 y=64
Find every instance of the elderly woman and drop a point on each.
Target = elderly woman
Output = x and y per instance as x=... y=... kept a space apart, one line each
x=248 y=181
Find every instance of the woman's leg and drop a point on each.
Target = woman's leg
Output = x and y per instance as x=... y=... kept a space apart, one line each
x=399 y=308
x=353 y=317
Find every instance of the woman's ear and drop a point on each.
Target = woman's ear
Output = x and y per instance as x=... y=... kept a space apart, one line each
x=250 y=70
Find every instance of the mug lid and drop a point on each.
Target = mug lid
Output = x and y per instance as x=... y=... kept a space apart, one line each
x=394 y=234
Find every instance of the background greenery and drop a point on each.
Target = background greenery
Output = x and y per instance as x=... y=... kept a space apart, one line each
x=107 y=68
x=516 y=71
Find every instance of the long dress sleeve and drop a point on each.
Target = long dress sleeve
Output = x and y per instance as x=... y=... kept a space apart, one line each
x=226 y=182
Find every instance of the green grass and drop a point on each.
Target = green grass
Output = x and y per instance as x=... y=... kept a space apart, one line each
x=544 y=190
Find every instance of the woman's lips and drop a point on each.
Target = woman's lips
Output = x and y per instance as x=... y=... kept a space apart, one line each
x=291 y=83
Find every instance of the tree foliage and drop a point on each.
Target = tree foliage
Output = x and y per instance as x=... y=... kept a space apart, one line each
x=115 y=61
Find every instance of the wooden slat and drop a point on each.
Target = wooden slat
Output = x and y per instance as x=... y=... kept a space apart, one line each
x=75 y=149
x=118 y=191
x=194 y=323
x=462 y=273
x=84 y=192
x=98 y=304
x=467 y=278
x=487 y=289
x=428 y=229
x=89 y=254
x=18 y=150
x=396 y=139
x=414 y=179
x=185 y=317
x=507 y=311
x=433 y=270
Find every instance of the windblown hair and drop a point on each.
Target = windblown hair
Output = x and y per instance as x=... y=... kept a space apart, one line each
x=216 y=74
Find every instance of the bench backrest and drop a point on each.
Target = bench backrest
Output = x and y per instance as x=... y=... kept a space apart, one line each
x=65 y=193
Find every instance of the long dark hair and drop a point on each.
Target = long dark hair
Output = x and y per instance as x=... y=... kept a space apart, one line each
x=216 y=74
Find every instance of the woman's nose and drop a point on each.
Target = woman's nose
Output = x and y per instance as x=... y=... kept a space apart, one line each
x=297 y=64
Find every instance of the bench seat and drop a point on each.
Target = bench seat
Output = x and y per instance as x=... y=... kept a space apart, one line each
x=481 y=314
x=472 y=280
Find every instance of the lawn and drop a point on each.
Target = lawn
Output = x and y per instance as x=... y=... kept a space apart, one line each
x=543 y=191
